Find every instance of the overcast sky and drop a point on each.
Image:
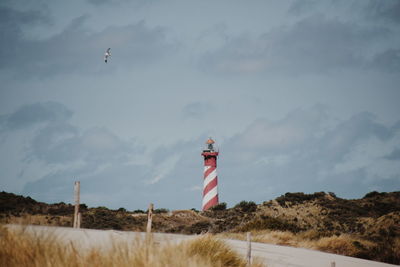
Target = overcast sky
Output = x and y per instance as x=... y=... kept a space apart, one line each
x=300 y=96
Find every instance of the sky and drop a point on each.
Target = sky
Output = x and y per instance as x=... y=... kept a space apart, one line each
x=300 y=96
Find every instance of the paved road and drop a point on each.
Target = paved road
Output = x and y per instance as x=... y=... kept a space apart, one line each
x=272 y=255
x=282 y=256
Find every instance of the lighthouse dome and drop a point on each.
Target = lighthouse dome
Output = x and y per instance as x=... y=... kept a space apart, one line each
x=210 y=146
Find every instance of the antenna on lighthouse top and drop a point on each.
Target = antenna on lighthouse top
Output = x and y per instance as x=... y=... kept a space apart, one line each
x=209 y=144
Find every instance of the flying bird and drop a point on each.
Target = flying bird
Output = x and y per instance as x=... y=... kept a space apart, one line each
x=107 y=54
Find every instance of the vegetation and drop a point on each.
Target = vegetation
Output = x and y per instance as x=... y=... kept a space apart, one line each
x=220 y=206
x=24 y=249
x=246 y=206
x=367 y=227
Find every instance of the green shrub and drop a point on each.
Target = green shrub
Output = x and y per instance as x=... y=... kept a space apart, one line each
x=138 y=211
x=220 y=206
x=162 y=210
x=246 y=206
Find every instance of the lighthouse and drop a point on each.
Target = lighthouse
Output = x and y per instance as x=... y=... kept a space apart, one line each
x=210 y=189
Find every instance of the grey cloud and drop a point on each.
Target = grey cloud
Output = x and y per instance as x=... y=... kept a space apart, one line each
x=396 y=126
x=388 y=60
x=11 y=20
x=197 y=110
x=56 y=143
x=63 y=143
x=302 y=153
x=126 y=184
x=11 y=23
x=384 y=11
x=77 y=49
x=291 y=132
x=302 y=6
x=29 y=115
x=388 y=11
x=119 y=183
x=313 y=44
x=102 y=2
x=394 y=155
x=338 y=142
x=108 y=3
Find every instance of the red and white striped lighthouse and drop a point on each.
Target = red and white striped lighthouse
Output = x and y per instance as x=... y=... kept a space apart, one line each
x=210 y=189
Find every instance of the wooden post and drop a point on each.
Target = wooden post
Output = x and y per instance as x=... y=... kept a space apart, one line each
x=150 y=218
x=248 y=249
x=79 y=220
x=77 y=190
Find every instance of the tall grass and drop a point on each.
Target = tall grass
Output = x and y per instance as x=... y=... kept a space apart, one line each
x=20 y=248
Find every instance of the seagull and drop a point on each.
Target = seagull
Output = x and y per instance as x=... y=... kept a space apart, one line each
x=107 y=54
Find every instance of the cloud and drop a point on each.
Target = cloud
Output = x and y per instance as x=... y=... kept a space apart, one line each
x=56 y=153
x=163 y=169
x=302 y=6
x=108 y=3
x=197 y=110
x=77 y=49
x=313 y=44
x=388 y=60
x=308 y=151
x=32 y=114
x=394 y=155
x=12 y=41
x=388 y=11
x=293 y=131
x=378 y=11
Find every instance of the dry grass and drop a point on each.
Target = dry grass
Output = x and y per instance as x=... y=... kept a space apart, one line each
x=343 y=244
x=38 y=219
x=19 y=248
x=285 y=238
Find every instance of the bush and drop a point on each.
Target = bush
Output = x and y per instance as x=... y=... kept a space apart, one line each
x=138 y=211
x=246 y=206
x=372 y=194
x=220 y=206
x=298 y=198
x=158 y=211
x=266 y=222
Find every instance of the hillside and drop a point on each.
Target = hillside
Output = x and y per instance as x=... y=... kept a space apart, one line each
x=368 y=227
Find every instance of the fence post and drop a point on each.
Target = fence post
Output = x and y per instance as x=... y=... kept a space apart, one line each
x=248 y=249
x=77 y=190
x=333 y=264
x=78 y=224
x=150 y=218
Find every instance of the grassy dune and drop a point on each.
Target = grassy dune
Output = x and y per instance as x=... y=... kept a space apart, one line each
x=18 y=248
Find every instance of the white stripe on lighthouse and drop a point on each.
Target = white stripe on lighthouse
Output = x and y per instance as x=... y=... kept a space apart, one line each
x=212 y=193
x=209 y=178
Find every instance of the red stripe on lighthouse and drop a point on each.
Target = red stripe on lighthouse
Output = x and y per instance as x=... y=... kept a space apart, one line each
x=208 y=170
x=212 y=202
x=210 y=186
x=210 y=190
